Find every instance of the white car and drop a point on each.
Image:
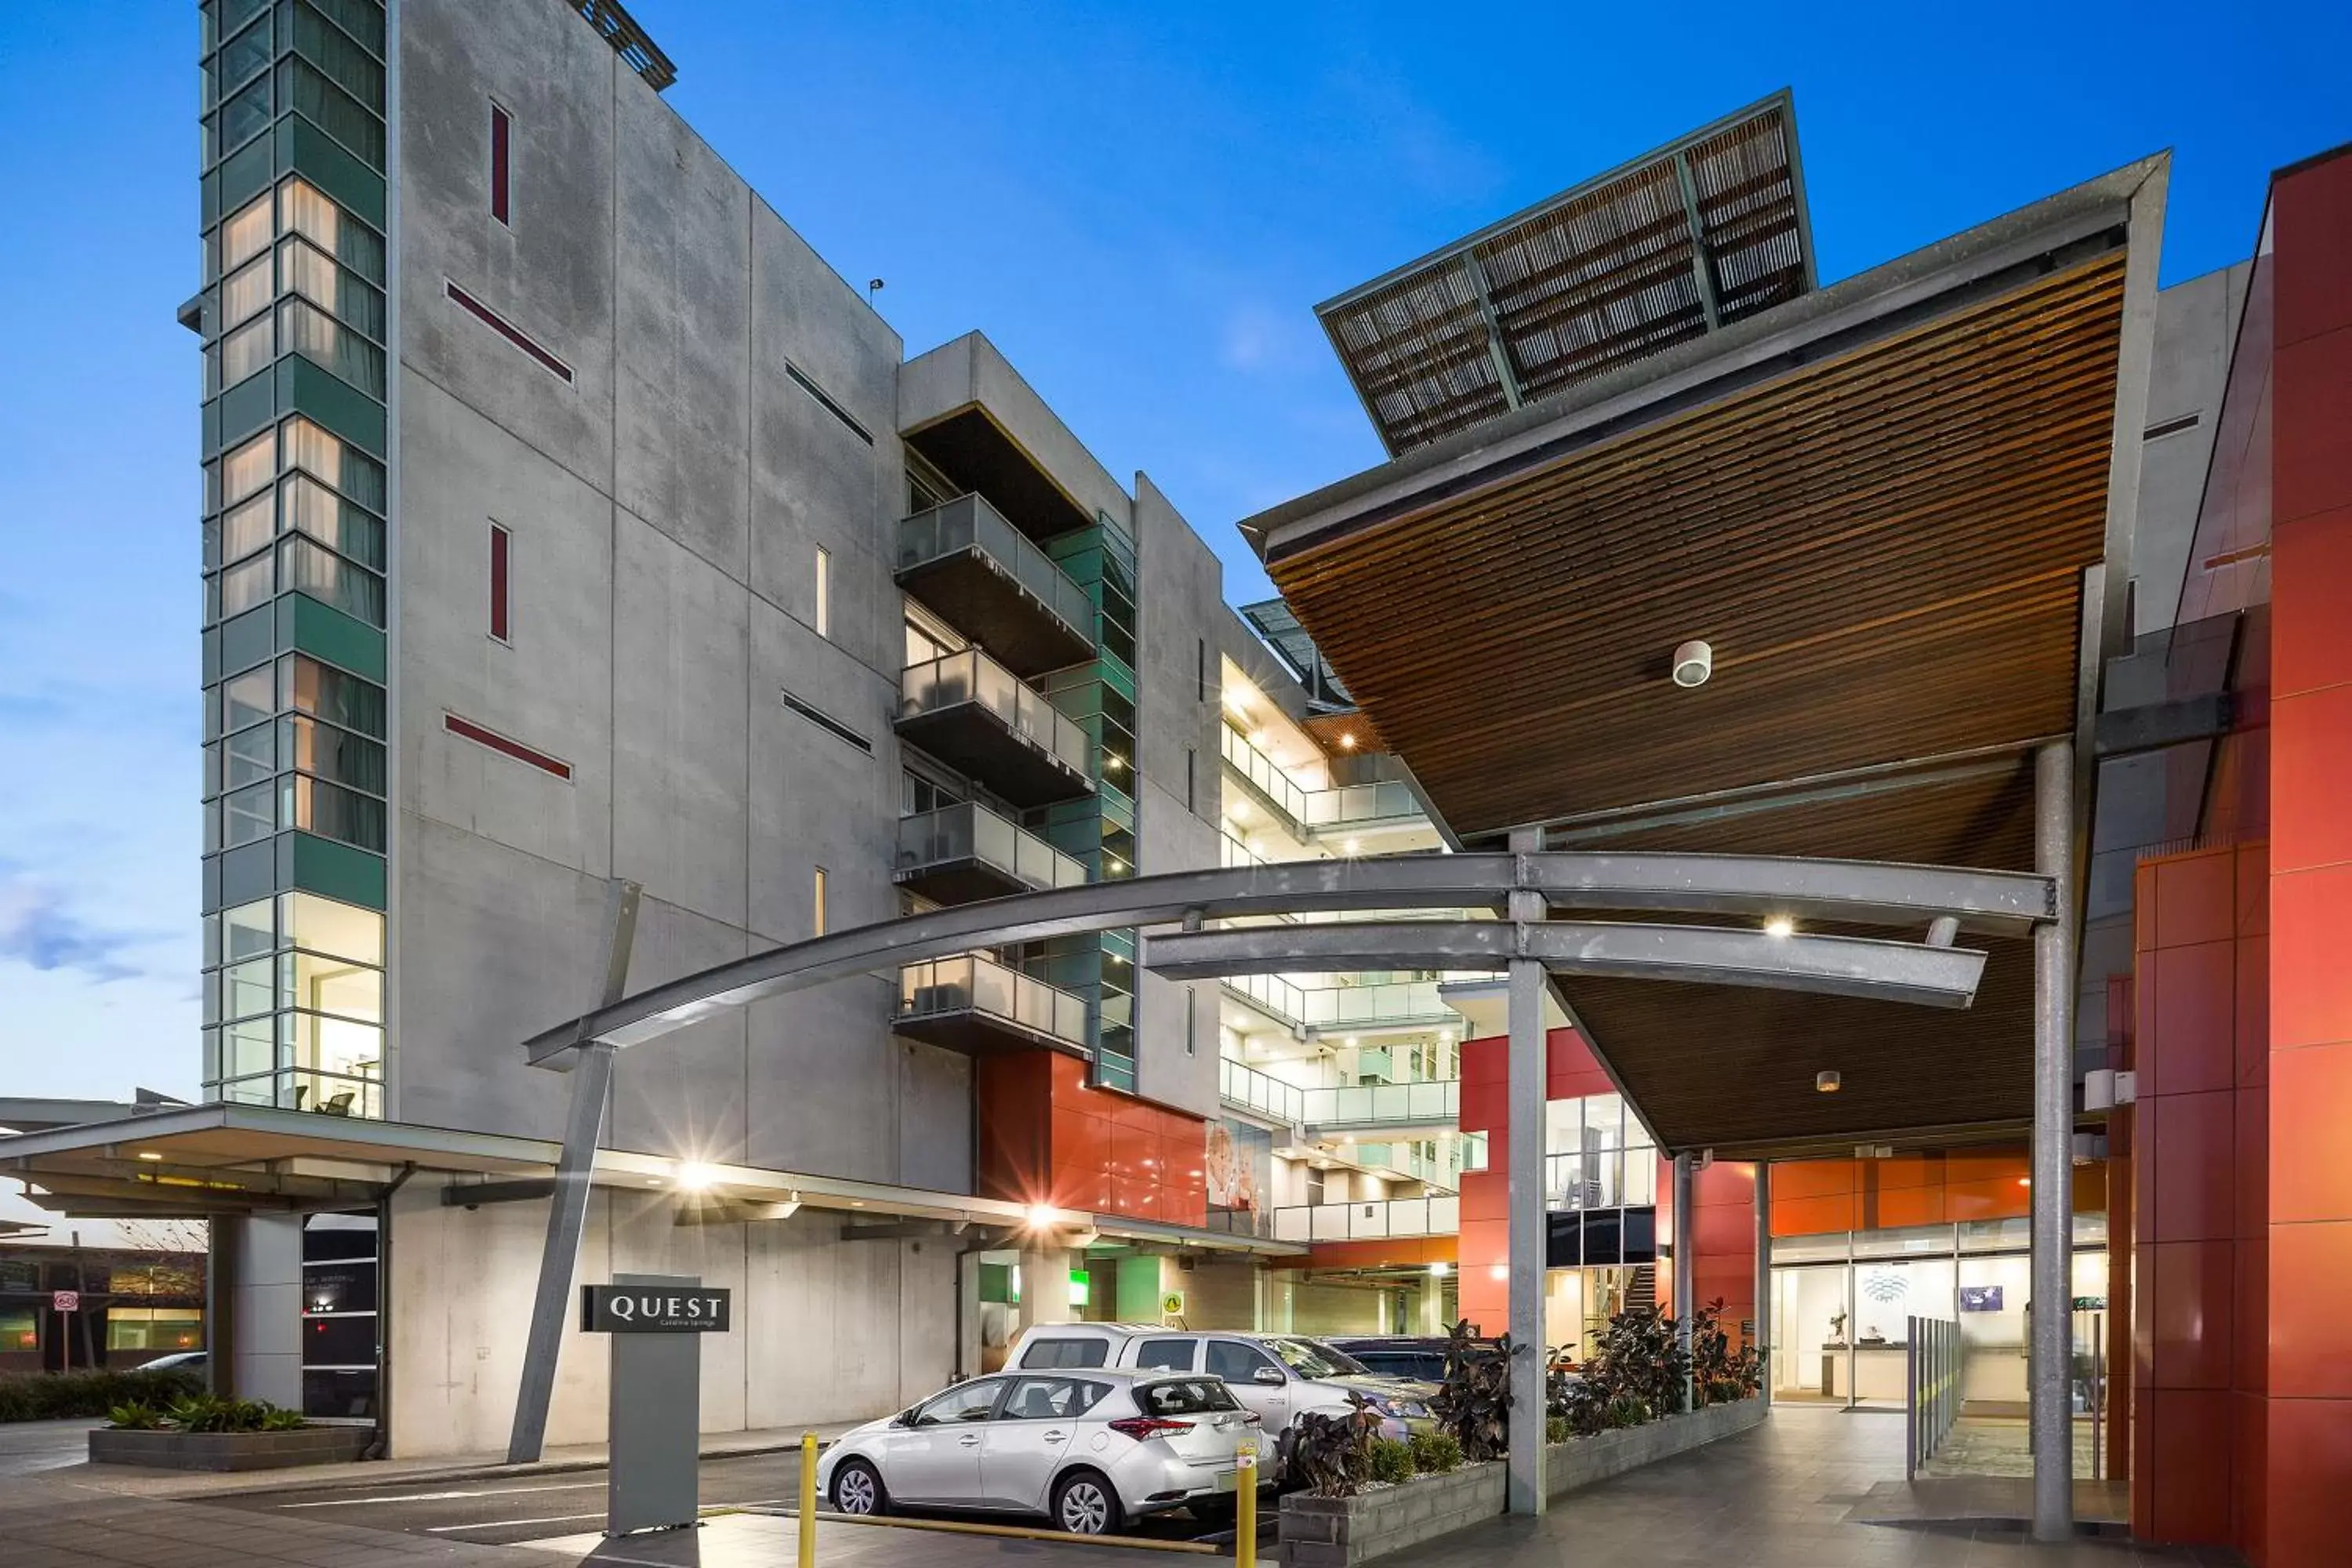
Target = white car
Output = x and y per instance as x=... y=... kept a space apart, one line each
x=1090 y=1450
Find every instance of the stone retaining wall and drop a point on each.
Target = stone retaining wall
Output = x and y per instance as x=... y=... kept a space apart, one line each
x=1340 y=1533
x=230 y=1450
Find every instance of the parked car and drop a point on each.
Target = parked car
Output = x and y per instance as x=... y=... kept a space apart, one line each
x=1278 y=1376
x=178 y=1360
x=1417 y=1356
x=1090 y=1450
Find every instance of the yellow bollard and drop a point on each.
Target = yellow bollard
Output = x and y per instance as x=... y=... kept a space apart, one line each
x=1245 y=1509
x=808 y=1500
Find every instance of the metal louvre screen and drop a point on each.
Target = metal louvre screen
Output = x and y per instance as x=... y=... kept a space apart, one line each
x=1700 y=234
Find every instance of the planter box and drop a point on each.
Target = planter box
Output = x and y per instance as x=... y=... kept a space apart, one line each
x=1581 y=1461
x=230 y=1450
x=1335 y=1533
x=1338 y=1532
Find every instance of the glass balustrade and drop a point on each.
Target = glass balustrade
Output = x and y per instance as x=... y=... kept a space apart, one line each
x=1246 y=1088
x=969 y=522
x=1391 y=1001
x=1379 y=802
x=976 y=985
x=1385 y=1217
x=1264 y=775
x=1398 y=1103
x=955 y=835
x=1270 y=992
x=972 y=677
x=1602 y=1179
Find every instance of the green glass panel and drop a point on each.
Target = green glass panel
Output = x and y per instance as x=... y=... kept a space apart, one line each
x=246 y=641
x=244 y=408
x=338 y=870
x=336 y=404
x=305 y=150
x=311 y=628
x=247 y=873
x=246 y=174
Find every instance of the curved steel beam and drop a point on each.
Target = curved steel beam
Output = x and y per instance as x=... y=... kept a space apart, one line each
x=1746 y=884
x=1704 y=955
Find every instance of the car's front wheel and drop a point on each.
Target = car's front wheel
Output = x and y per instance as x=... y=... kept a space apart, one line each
x=1085 y=1504
x=857 y=1489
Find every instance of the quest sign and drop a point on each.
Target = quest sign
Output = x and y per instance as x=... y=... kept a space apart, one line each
x=653 y=1310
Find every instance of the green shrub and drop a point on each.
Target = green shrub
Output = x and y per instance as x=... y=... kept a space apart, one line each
x=56 y=1395
x=1435 y=1453
x=1392 y=1460
x=1557 y=1430
x=1627 y=1412
x=135 y=1416
x=202 y=1413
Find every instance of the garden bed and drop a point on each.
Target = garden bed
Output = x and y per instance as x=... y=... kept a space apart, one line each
x=1582 y=1461
x=230 y=1450
x=1340 y=1533
x=1336 y=1532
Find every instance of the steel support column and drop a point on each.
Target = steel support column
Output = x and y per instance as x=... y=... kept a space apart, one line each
x=567 y=1210
x=1684 y=1231
x=2050 y=1360
x=1764 y=1274
x=1528 y=1089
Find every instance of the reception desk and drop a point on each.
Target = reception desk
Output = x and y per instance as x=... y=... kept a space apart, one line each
x=1880 y=1372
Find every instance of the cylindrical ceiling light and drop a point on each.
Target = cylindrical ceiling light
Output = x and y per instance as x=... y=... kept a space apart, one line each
x=1693 y=662
x=1828 y=1082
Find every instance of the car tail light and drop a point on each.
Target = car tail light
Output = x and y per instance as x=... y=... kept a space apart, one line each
x=1141 y=1428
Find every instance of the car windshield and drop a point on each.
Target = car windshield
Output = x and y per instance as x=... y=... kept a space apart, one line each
x=1312 y=1358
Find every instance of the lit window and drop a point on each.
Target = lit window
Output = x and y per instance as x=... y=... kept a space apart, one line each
x=358 y=477
x=310 y=214
x=245 y=529
x=245 y=234
x=501 y=162
x=321 y=925
x=816 y=903
x=244 y=292
x=500 y=544
x=320 y=984
x=242 y=587
x=824 y=592
x=247 y=469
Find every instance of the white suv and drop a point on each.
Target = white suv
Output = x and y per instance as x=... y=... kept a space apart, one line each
x=1279 y=1376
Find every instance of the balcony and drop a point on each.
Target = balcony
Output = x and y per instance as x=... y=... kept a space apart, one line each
x=1359 y=805
x=1400 y=1003
x=1602 y=1179
x=1385 y=1106
x=1378 y=1221
x=979 y=1007
x=995 y=586
x=1255 y=1093
x=977 y=716
x=1269 y=781
x=961 y=853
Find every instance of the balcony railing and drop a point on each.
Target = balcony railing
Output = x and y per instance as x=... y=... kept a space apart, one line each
x=974 y=714
x=994 y=584
x=1264 y=776
x=966 y=851
x=1262 y=1094
x=1375 y=1221
x=976 y=1005
x=1398 y=1104
x=1350 y=803
x=1392 y=1004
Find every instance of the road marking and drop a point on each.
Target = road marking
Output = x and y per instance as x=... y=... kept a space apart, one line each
x=504 y=1523
x=441 y=1496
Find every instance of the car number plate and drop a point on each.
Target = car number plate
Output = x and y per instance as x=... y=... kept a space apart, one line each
x=1229 y=1480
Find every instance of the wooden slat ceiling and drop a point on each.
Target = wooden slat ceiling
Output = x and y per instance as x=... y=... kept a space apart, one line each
x=1885 y=549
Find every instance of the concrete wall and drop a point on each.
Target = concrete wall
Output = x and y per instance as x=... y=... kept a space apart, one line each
x=825 y=1329
x=665 y=511
x=257 y=1264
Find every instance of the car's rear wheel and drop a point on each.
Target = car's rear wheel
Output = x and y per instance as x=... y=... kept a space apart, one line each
x=857 y=1490
x=1085 y=1504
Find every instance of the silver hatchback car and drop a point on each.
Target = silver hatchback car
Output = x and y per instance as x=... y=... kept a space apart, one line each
x=1090 y=1449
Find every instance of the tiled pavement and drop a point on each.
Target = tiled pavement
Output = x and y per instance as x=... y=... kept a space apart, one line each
x=1782 y=1495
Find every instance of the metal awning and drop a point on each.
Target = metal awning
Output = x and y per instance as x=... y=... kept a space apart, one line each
x=222 y=1161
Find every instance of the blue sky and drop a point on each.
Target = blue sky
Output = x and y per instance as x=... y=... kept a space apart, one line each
x=1139 y=204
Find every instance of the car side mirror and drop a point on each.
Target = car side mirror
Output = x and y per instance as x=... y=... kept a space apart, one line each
x=1269 y=1375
